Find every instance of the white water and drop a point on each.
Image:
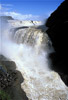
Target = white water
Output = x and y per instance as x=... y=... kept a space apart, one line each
x=40 y=83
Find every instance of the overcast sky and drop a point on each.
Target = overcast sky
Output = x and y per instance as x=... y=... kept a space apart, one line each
x=28 y=9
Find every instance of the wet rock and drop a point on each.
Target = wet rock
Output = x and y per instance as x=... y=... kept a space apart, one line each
x=57 y=25
x=10 y=80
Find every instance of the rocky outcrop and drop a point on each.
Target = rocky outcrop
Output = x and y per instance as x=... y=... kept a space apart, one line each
x=11 y=79
x=57 y=25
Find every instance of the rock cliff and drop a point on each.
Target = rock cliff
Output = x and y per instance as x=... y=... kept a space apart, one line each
x=57 y=25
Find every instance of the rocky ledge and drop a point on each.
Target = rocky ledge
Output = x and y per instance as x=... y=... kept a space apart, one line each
x=10 y=81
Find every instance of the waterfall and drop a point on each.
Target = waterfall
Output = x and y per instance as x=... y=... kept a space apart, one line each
x=29 y=49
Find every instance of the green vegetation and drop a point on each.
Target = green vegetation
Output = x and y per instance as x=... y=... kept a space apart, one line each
x=4 y=95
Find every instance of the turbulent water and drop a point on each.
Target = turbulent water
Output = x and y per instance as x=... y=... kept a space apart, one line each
x=29 y=49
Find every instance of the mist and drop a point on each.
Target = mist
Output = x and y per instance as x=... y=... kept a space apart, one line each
x=31 y=59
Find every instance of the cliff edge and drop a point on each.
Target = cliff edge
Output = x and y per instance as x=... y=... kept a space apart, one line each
x=57 y=25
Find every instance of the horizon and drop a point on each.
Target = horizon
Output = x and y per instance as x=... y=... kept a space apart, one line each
x=28 y=9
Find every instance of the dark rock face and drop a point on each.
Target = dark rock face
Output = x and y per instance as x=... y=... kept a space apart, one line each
x=11 y=79
x=57 y=25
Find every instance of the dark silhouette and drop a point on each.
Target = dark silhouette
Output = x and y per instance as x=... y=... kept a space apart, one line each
x=57 y=25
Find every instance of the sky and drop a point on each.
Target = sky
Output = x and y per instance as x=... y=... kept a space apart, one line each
x=28 y=9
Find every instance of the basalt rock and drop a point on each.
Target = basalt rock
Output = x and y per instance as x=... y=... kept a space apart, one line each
x=57 y=25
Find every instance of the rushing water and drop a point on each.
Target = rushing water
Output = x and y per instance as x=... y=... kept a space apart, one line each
x=29 y=49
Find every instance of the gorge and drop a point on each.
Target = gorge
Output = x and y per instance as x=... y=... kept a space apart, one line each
x=26 y=47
